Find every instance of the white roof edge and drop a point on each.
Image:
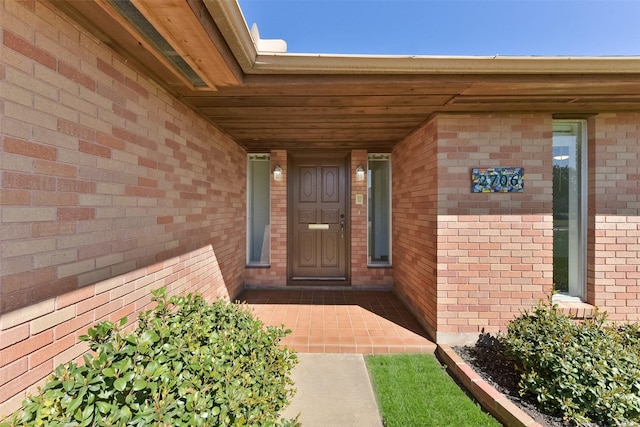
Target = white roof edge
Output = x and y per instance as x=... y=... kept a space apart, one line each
x=228 y=16
x=231 y=23
x=388 y=64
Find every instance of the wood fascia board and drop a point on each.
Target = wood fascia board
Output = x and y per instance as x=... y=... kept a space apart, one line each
x=216 y=37
x=499 y=65
x=177 y=23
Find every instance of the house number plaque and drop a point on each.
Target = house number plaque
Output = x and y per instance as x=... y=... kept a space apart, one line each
x=497 y=180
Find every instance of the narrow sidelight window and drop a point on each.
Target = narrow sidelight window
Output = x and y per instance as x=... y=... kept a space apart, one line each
x=379 y=209
x=258 y=209
x=569 y=208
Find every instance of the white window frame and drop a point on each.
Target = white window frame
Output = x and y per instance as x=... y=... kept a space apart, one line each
x=250 y=232
x=578 y=264
x=379 y=157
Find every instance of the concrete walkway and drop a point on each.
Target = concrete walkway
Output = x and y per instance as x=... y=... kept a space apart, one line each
x=333 y=390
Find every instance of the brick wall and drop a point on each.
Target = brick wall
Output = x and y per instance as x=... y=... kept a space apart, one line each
x=614 y=215
x=469 y=262
x=103 y=172
x=109 y=186
x=498 y=256
x=414 y=229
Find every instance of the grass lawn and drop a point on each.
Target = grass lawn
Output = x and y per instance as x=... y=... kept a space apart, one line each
x=415 y=390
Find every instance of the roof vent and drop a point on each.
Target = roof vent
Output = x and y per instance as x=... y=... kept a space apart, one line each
x=267 y=45
x=144 y=28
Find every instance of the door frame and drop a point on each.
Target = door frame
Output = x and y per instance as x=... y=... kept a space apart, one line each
x=345 y=155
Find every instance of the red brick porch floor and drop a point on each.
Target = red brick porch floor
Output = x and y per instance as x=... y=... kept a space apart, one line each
x=351 y=321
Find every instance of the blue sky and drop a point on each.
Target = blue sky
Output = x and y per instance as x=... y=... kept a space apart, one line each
x=450 y=27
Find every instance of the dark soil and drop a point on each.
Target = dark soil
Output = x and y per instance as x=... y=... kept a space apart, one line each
x=487 y=358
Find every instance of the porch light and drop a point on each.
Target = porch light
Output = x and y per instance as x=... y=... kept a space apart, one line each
x=277 y=173
x=360 y=173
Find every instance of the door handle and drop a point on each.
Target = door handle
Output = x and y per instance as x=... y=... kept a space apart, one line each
x=342 y=228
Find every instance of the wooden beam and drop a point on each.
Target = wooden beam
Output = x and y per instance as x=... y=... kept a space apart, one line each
x=177 y=23
x=318 y=101
x=339 y=112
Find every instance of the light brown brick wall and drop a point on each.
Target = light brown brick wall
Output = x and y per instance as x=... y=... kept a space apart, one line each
x=102 y=171
x=494 y=249
x=468 y=262
x=109 y=187
x=614 y=215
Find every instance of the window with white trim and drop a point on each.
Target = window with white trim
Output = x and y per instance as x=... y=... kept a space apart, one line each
x=258 y=209
x=379 y=209
x=569 y=209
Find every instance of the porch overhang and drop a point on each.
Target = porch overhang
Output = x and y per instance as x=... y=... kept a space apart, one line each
x=266 y=100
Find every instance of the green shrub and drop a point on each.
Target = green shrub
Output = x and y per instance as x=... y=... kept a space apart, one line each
x=584 y=371
x=188 y=364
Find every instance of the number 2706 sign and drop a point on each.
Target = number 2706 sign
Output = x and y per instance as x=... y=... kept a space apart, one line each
x=497 y=180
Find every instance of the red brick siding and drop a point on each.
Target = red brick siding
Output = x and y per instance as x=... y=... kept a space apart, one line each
x=497 y=258
x=414 y=230
x=361 y=274
x=358 y=220
x=103 y=172
x=469 y=262
x=613 y=250
x=109 y=187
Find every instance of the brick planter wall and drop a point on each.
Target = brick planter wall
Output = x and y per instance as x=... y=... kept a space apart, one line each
x=36 y=339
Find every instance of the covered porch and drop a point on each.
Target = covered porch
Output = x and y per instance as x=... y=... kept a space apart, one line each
x=340 y=321
x=121 y=174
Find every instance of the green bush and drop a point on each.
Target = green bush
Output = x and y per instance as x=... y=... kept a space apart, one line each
x=188 y=364
x=584 y=371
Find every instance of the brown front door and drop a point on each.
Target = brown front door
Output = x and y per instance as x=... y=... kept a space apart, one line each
x=319 y=219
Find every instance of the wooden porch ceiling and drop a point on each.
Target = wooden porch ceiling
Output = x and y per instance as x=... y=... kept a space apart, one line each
x=375 y=112
x=263 y=102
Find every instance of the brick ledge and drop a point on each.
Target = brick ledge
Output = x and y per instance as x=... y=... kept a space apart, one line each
x=575 y=309
x=494 y=402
